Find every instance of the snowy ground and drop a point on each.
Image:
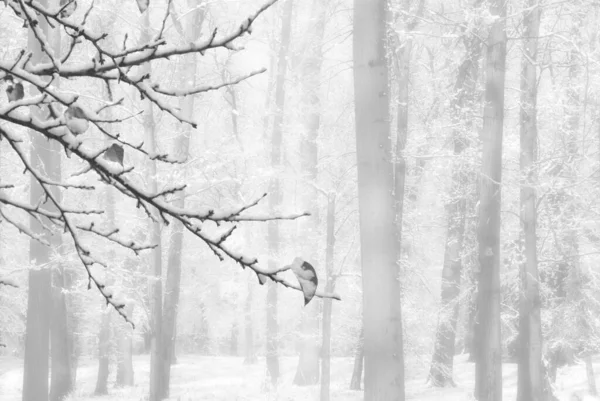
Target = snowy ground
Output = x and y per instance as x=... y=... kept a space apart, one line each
x=226 y=378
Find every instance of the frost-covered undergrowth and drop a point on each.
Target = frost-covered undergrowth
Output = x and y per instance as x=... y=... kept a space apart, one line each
x=226 y=378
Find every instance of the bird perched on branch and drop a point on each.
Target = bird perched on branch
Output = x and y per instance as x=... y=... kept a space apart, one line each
x=76 y=120
x=68 y=7
x=115 y=153
x=14 y=90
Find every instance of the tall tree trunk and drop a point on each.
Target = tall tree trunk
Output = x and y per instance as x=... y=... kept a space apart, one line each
x=488 y=370
x=359 y=357
x=61 y=373
x=440 y=372
x=382 y=320
x=275 y=193
x=44 y=156
x=172 y=286
x=307 y=372
x=158 y=390
x=530 y=385
x=103 y=353
x=327 y=303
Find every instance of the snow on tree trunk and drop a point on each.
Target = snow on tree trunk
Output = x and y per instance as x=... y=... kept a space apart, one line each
x=440 y=373
x=530 y=386
x=384 y=359
x=488 y=370
x=275 y=195
x=44 y=156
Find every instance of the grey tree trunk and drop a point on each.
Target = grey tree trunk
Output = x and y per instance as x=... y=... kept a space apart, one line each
x=61 y=378
x=250 y=350
x=530 y=386
x=125 y=374
x=275 y=193
x=488 y=370
x=103 y=353
x=327 y=303
x=382 y=319
x=172 y=286
x=357 y=371
x=440 y=373
x=307 y=372
x=44 y=156
x=61 y=339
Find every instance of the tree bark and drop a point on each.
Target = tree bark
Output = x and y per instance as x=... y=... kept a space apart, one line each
x=530 y=386
x=357 y=371
x=275 y=198
x=382 y=319
x=440 y=373
x=44 y=156
x=327 y=303
x=488 y=370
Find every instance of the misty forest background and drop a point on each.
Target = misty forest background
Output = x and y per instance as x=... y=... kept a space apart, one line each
x=448 y=154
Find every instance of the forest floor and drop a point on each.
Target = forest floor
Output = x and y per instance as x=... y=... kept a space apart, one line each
x=228 y=379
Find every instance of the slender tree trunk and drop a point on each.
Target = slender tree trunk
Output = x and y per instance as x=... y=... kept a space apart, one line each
x=103 y=353
x=250 y=350
x=327 y=303
x=382 y=319
x=307 y=372
x=125 y=374
x=44 y=156
x=158 y=391
x=172 y=286
x=359 y=357
x=440 y=373
x=488 y=370
x=275 y=194
x=591 y=378
x=530 y=371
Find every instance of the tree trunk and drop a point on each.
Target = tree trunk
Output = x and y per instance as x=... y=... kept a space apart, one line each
x=61 y=379
x=488 y=370
x=172 y=286
x=440 y=372
x=382 y=319
x=530 y=385
x=250 y=350
x=327 y=303
x=125 y=375
x=591 y=378
x=103 y=353
x=307 y=372
x=44 y=156
x=275 y=194
x=358 y=362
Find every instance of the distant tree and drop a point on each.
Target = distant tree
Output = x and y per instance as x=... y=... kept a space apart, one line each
x=465 y=88
x=488 y=370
